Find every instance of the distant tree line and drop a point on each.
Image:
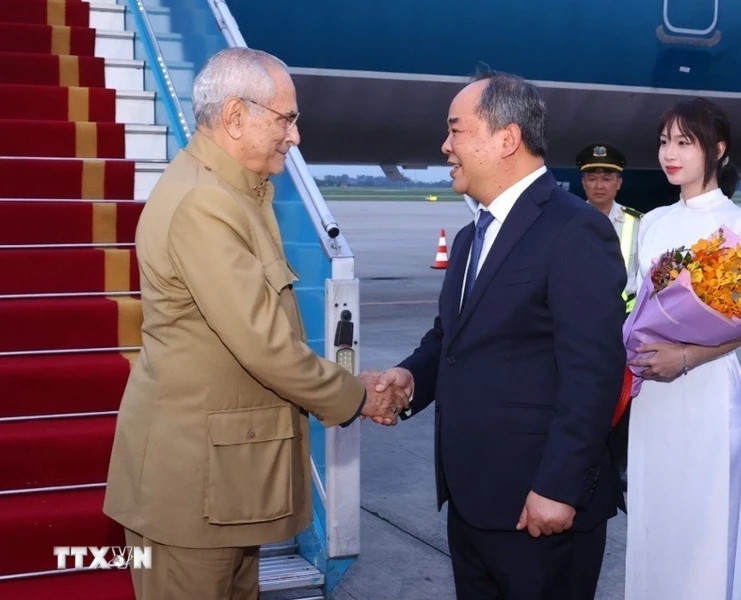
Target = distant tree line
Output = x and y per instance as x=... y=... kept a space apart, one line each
x=372 y=181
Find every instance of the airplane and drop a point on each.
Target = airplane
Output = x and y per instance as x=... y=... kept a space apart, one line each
x=375 y=79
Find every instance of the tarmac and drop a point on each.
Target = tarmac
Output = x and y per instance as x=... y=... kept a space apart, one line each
x=404 y=553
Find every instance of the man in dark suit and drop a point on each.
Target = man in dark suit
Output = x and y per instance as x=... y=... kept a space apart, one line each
x=524 y=362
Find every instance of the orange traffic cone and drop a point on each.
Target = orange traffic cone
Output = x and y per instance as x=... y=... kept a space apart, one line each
x=441 y=258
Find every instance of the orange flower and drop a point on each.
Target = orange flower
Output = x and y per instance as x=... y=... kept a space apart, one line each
x=715 y=273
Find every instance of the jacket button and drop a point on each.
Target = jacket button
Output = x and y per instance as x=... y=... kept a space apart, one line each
x=451 y=360
x=251 y=434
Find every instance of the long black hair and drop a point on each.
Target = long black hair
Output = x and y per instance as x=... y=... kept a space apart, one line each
x=707 y=124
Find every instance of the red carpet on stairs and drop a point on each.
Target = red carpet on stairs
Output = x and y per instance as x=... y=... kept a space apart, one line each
x=65 y=383
x=52 y=69
x=51 y=103
x=54 y=39
x=68 y=270
x=81 y=139
x=75 y=451
x=66 y=312
x=37 y=222
x=89 y=585
x=92 y=178
x=69 y=323
x=45 y=12
x=71 y=518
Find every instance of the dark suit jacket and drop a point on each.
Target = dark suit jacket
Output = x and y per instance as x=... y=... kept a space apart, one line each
x=525 y=379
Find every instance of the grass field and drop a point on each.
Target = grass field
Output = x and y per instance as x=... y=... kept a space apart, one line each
x=421 y=194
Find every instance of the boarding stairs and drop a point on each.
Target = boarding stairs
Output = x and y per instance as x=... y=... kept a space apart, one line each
x=80 y=149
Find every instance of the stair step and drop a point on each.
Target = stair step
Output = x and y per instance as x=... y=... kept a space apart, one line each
x=31 y=37
x=135 y=107
x=81 y=139
x=85 y=222
x=63 y=139
x=288 y=572
x=57 y=103
x=67 y=178
x=69 y=323
x=121 y=74
x=146 y=142
x=67 y=270
x=55 y=452
x=51 y=69
x=41 y=12
x=114 y=44
x=63 y=383
x=113 y=584
x=109 y=17
x=58 y=518
x=109 y=181
x=298 y=594
x=146 y=176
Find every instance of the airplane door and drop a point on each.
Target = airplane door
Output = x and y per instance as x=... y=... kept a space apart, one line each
x=689 y=22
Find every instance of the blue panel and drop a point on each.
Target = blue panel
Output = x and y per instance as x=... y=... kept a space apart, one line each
x=590 y=41
x=305 y=259
x=311 y=302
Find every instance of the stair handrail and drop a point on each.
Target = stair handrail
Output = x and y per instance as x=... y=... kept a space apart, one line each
x=162 y=77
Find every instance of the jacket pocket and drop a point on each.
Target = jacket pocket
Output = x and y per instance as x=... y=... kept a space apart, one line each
x=249 y=465
x=279 y=275
x=527 y=418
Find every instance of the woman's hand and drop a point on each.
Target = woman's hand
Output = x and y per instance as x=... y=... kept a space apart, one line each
x=663 y=361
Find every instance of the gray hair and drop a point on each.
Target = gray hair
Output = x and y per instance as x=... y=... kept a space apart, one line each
x=240 y=72
x=508 y=99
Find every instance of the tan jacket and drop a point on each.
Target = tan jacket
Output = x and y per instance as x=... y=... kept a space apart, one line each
x=212 y=438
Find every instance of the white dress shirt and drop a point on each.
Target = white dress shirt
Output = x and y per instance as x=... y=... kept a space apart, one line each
x=500 y=208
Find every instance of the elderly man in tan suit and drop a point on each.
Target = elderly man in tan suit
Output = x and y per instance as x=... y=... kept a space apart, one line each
x=211 y=454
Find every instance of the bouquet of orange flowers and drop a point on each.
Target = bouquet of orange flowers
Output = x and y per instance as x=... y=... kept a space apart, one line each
x=692 y=296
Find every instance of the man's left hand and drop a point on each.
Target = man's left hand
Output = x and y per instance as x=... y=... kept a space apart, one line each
x=544 y=516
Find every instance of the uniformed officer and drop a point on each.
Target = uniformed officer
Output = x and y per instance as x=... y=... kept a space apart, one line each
x=602 y=166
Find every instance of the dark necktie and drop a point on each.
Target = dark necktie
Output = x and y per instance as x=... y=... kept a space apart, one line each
x=485 y=219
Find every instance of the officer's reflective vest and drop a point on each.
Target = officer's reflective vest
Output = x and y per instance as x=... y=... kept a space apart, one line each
x=627 y=238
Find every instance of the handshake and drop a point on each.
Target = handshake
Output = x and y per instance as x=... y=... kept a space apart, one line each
x=387 y=394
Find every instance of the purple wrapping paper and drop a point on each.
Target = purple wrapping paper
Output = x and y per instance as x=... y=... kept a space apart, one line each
x=677 y=315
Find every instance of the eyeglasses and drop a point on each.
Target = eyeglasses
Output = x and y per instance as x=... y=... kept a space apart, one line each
x=290 y=118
